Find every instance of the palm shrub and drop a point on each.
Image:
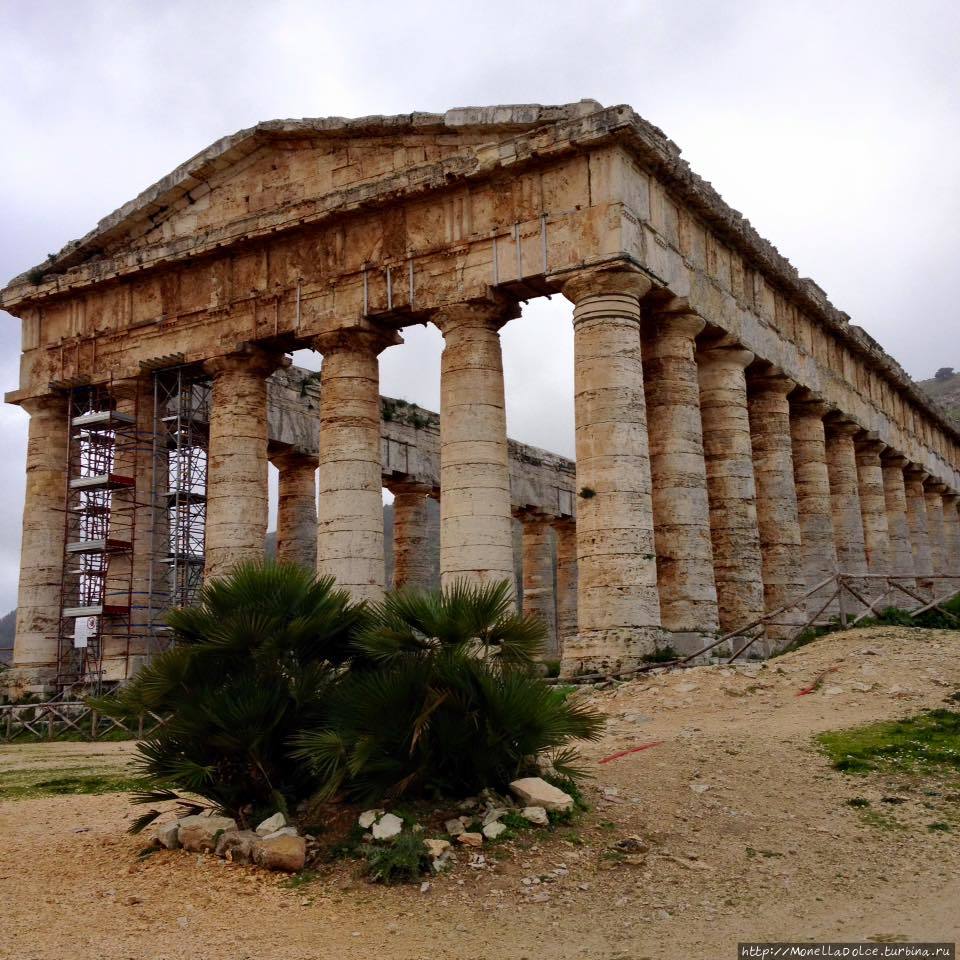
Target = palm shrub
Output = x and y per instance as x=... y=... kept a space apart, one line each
x=252 y=664
x=443 y=699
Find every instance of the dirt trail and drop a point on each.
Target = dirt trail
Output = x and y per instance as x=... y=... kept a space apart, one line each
x=750 y=834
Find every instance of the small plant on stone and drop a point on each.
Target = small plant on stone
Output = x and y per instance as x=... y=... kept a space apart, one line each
x=403 y=860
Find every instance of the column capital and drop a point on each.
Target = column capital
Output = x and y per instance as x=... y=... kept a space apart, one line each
x=869 y=445
x=891 y=458
x=606 y=281
x=915 y=473
x=535 y=515
x=252 y=360
x=732 y=356
x=491 y=313
x=55 y=403
x=935 y=486
x=399 y=487
x=810 y=403
x=771 y=380
x=838 y=425
x=362 y=338
x=291 y=457
x=677 y=318
x=951 y=496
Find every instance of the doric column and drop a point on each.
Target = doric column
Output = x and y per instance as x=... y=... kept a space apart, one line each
x=778 y=519
x=539 y=598
x=933 y=492
x=917 y=519
x=845 y=500
x=296 y=508
x=731 y=487
x=413 y=551
x=350 y=503
x=951 y=536
x=681 y=511
x=35 y=646
x=237 y=460
x=566 y=538
x=814 y=507
x=873 y=508
x=898 y=527
x=476 y=524
x=618 y=609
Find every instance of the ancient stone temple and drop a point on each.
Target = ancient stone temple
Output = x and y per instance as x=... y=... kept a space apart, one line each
x=738 y=439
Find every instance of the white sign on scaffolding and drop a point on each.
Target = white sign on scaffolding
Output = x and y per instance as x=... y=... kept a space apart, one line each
x=83 y=629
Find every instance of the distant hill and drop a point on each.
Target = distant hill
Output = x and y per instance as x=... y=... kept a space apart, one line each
x=944 y=387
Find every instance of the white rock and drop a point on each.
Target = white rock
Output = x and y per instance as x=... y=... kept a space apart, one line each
x=699 y=787
x=271 y=824
x=493 y=829
x=494 y=814
x=436 y=847
x=282 y=832
x=387 y=827
x=368 y=818
x=168 y=835
x=536 y=792
x=536 y=815
x=454 y=827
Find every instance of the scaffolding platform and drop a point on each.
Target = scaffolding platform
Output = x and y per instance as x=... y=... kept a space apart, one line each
x=104 y=420
x=102 y=481
x=105 y=545
x=97 y=610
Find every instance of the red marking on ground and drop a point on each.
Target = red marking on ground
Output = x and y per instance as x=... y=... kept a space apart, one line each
x=820 y=677
x=626 y=753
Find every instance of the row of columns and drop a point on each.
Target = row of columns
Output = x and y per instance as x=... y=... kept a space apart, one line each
x=710 y=489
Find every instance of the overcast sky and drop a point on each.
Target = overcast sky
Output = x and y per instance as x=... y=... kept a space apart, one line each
x=834 y=127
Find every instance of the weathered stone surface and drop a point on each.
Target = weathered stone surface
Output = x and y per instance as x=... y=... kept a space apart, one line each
x=898 y=528
x=731 y=488
x=933 y=501
x=919 y=532
x=272 y=823
x=200 y=833
x=168 y=835
x=681 y=513
x=470 y=839
x=436 y=847
x=454 y=827
x=539 y=599
x=565 y=532
x=413 y=558
x=368 y=818
x=282 y=832
x=238 y=846
x=536 y=815
x=494 y=829
x=536 y=792
x=296 y=508
x=873 y=506
x=283 y=853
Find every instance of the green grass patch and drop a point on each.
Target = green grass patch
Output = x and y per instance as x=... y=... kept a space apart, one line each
x=926 y=742
x=404 y=860
x=22 y=784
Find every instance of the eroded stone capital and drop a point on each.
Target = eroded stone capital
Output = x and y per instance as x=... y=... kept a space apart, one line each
x=292 y=459
x=869 y=445
x=401 y=487
x=50 y=404
x=935 y=486
x=490 y=314
x=676 y=321
x=891 y=458
x=839 y=426
x=254 y=362
x=606 y=281
x=915 y=473
x=732 y=357
x=770 y=381
x=359 y=339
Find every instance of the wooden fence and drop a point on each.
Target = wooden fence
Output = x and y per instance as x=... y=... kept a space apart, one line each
x=55 y=718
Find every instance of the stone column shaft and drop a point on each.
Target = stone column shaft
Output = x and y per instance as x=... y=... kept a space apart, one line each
x=413 y=552
x=873 y=509
x=617 y=604
x=933 y=501
x=778 y=519
x=898 y=528
x=681 y=509
x=817 y=548
x=237 y=508
x=296 y=508
x=566 y=539
x=917 y=518
x=951 y=537
x=350 y=503
x=476 y=523
x=737 y=561
x=539 y=597
x=36 y=643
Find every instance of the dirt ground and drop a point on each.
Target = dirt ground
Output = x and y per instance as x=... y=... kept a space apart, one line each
x=749 y=830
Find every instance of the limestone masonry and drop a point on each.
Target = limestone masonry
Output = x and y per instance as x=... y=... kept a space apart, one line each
x=738 y=439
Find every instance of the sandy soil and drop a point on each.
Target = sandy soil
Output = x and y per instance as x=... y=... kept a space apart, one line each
x=750 y=838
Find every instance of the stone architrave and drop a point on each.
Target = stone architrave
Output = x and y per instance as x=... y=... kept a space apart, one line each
x=737 y=560
x=618 y=608
x=476 y=523
x=350 y=501
x=539 y=596
x=36 y=642
x=237 y=508
x=296 y=508
x=412 y=549
x=898 y=528
x=681 y=510
x=814 y=503
x=778 y=519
